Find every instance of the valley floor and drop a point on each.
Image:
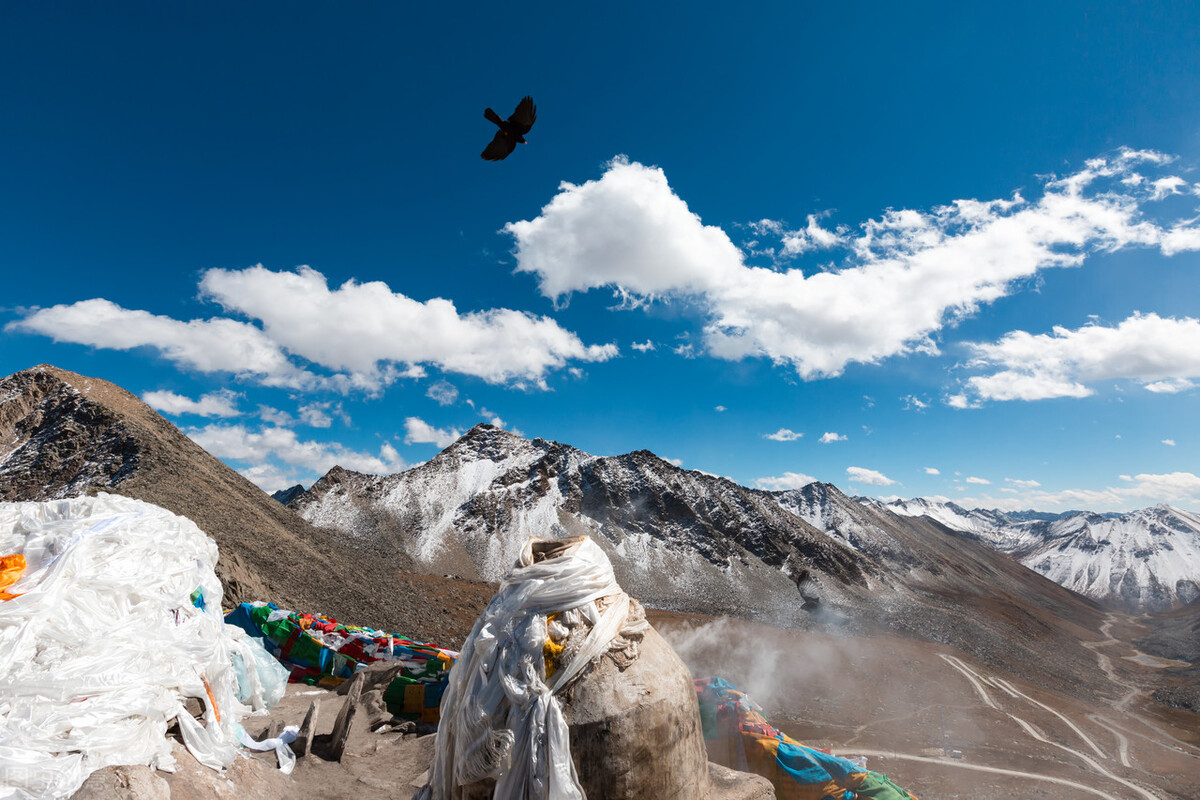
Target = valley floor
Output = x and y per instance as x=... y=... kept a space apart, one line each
x=947 y=727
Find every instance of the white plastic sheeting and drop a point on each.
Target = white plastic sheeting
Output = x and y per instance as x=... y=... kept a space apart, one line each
x=105 y=643
x=281 y=744
x=500 y=716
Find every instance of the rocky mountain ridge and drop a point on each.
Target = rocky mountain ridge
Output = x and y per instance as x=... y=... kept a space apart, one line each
x=672 y=532
x=1144 y=560
x=64 y=434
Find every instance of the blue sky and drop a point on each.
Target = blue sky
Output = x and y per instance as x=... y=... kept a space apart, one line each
x=920 y=250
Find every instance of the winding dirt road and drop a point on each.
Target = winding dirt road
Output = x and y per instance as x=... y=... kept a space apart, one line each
x=978 y=681
x=1003 y=697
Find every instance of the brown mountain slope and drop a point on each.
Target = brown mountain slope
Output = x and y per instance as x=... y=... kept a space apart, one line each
x=63 y=434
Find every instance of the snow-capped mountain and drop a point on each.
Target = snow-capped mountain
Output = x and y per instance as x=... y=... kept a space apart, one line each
x=1145 y=560
x=980 y=522
x=691 y=541
x=671 y=532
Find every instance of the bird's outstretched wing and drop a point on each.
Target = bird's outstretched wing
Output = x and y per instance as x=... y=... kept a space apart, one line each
x=523 y=117
x=501 y=145
x=492 y=116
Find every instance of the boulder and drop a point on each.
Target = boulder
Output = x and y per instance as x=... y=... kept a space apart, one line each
x=636 y=733
x=124 y=783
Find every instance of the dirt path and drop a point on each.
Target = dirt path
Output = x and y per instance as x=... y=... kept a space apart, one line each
x=1122 y=739
x=1015 y=692
x=979 y=681
x=1106 y=665
x=980 y=768
x=1132 y=692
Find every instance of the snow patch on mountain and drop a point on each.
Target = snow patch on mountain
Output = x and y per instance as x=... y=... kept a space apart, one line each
x=1145 y=560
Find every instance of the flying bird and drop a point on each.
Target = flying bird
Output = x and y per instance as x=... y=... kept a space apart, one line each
x=512 y=130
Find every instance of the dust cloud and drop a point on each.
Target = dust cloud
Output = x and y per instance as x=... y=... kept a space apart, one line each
x=773 y=667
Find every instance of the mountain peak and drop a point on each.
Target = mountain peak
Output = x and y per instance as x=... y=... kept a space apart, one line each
x=485 y=436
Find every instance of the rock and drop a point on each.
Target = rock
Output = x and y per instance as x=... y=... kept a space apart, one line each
x=246 y=777
x=124 y=783
x=373 y=682
x=345 y=718
x=194 y=707
x=729 y=784
x=303 y=744
x=636 y=733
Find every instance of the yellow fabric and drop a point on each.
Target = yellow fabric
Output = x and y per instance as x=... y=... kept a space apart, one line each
x=552 y=651
x=11 y=568
x=414 y=698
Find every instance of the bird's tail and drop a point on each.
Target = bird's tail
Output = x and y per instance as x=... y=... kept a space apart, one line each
x=492 y=116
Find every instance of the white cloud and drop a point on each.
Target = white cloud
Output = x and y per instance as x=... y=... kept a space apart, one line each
x=363 y=328
x=322 y=414
x=1164 y=187
x=719 y=409
x=221 y=403
x=365 y=333
x=788 y=480
x=1163 y=488
x=418 y=431
x=316 y=415
x=830 y=436
x=260 y=447
x=627 y=230
x=643 y=347
x=1181 y=238
x=212 y=345
x=1169 y=442
x=268 y=477
x=906 y=275
x=678 y=462
x=783 y=435
x=1133 y=491
x=1020 y=484
x=275 y=416
x=980 y=481
x=813 y=237
x=1173 y=386
x=442 y=392
x=932 y=471
x=960 y=401
x=868 y=476
x=1162 y=352
x=912 y=402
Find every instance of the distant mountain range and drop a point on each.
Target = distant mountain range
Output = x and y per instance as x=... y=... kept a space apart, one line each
x=690 y=541
x=1144 y=560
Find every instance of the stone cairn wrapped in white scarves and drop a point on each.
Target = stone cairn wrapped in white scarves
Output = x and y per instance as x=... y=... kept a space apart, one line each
x=613 y=715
